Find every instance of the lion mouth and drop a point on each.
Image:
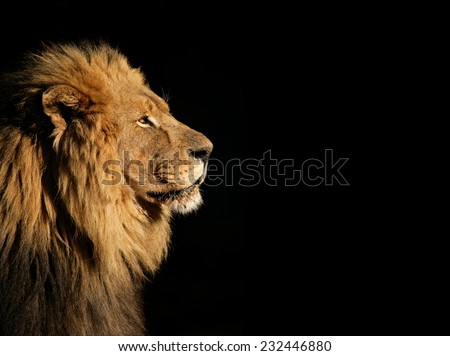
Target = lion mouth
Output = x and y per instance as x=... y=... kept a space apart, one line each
x=171 y=194
x=181 y=200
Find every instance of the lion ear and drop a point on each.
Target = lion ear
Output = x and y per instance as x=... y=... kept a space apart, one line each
x=62 y=103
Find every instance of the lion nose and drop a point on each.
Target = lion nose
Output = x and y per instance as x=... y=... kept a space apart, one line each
x=200 y=153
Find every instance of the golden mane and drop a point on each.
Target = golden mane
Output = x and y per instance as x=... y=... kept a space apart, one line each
x=95 y=69
x=59 y=225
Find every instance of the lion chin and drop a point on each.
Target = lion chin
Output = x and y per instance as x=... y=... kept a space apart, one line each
x=181 y=201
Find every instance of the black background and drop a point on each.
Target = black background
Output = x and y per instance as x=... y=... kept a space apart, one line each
x=253 y=77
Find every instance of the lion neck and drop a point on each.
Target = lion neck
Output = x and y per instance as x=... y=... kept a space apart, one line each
x=52 y=204
x=67 y=240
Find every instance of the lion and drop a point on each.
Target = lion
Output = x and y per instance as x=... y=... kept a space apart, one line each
x=92 y=167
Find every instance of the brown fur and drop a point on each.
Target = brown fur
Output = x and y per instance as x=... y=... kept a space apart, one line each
x=75 y=245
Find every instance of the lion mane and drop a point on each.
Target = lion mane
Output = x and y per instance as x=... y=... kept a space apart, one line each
x=75 y=252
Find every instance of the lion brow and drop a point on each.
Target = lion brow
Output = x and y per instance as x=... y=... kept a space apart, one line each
x=159 y=102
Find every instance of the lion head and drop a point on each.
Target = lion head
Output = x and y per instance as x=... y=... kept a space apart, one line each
x=92 y=165
x=162 y=160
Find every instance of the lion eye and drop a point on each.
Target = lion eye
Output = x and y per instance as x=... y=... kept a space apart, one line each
x=145 y=121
